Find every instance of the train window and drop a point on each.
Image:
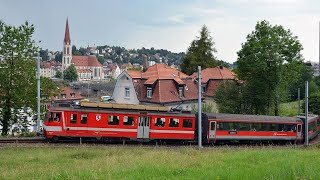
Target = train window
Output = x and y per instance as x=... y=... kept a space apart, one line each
x=299 y=128
x=290 y=127
x=220 y=126
x=84 y=118
x=281 y=127
x=312 y=126
x=174 y=122
x=159 y=122
x=56 y=117
x=213 y=124
x=113 y=120
x=73 y=118
x=187 y=123
x=50 y=117
x=233 y=126
x=274 y=127
x=244 y=126
x=226 y=126
x=128 y=120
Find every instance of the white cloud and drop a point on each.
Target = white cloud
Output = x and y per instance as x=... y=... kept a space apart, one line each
x=176 y=18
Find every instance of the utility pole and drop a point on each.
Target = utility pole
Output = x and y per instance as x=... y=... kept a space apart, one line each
x=306 y=116
x=199 y=109
x=298 y=101
x=38 y=91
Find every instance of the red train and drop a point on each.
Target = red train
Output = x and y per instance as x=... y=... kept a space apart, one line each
x=104 y=121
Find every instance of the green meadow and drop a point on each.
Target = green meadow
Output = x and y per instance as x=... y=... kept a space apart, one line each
x=139 y=162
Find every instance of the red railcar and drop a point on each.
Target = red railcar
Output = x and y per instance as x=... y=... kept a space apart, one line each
x=118 y=124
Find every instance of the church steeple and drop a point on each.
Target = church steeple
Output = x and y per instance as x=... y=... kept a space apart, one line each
x=66 y=34
x=67 y=48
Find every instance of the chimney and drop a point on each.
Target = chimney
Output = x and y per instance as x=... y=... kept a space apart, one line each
x=145 y=62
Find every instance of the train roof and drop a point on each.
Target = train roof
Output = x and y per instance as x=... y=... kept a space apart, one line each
x=122 y=109
x=257 y=118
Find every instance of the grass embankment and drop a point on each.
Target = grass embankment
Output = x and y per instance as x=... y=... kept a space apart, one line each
x=289 y=109
x=151 y=163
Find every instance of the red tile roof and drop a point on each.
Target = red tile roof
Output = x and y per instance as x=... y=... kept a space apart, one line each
x=85 y=61
x=67 y=91
x=165 y=82
x=134 y=73
x=66 y=34
x=216 y=73
x=84 y=71
x=162 y=71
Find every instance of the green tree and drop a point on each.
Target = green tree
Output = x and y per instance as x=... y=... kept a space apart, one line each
x=313 y=103
x=70 y=73
x=100 y=59
x=18 y=67
x=58 y=57
x=58 y=74
x=200 y=53
x=268 y=62
x=44 y=55
x=48 y=88
x=228 y=97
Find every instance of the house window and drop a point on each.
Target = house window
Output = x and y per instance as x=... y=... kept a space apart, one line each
x=149 y=92
x=72 y=95
x=84 y=119
x=180 y=91
x=73 y=119
x=203 y=89
x=127 y=92
x=63 y=96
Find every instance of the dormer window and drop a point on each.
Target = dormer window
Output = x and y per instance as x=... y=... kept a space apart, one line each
x=63 y=96
x=73 y=95
x=149 y=92
x=180 y=92
x=203 y=88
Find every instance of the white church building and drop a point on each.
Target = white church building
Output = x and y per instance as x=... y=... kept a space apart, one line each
x=88 y=67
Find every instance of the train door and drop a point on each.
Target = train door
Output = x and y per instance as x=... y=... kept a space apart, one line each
x=143 y=127
x=299 y=131
x=212 y=131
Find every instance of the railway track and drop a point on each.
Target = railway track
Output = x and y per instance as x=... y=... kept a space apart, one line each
x=23 y=140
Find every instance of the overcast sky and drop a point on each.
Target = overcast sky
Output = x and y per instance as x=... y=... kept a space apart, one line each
x=167 y=24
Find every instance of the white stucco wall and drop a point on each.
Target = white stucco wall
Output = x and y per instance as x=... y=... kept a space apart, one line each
x=124 y=81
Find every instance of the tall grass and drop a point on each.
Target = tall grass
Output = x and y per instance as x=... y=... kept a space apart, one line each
x=158 y=163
